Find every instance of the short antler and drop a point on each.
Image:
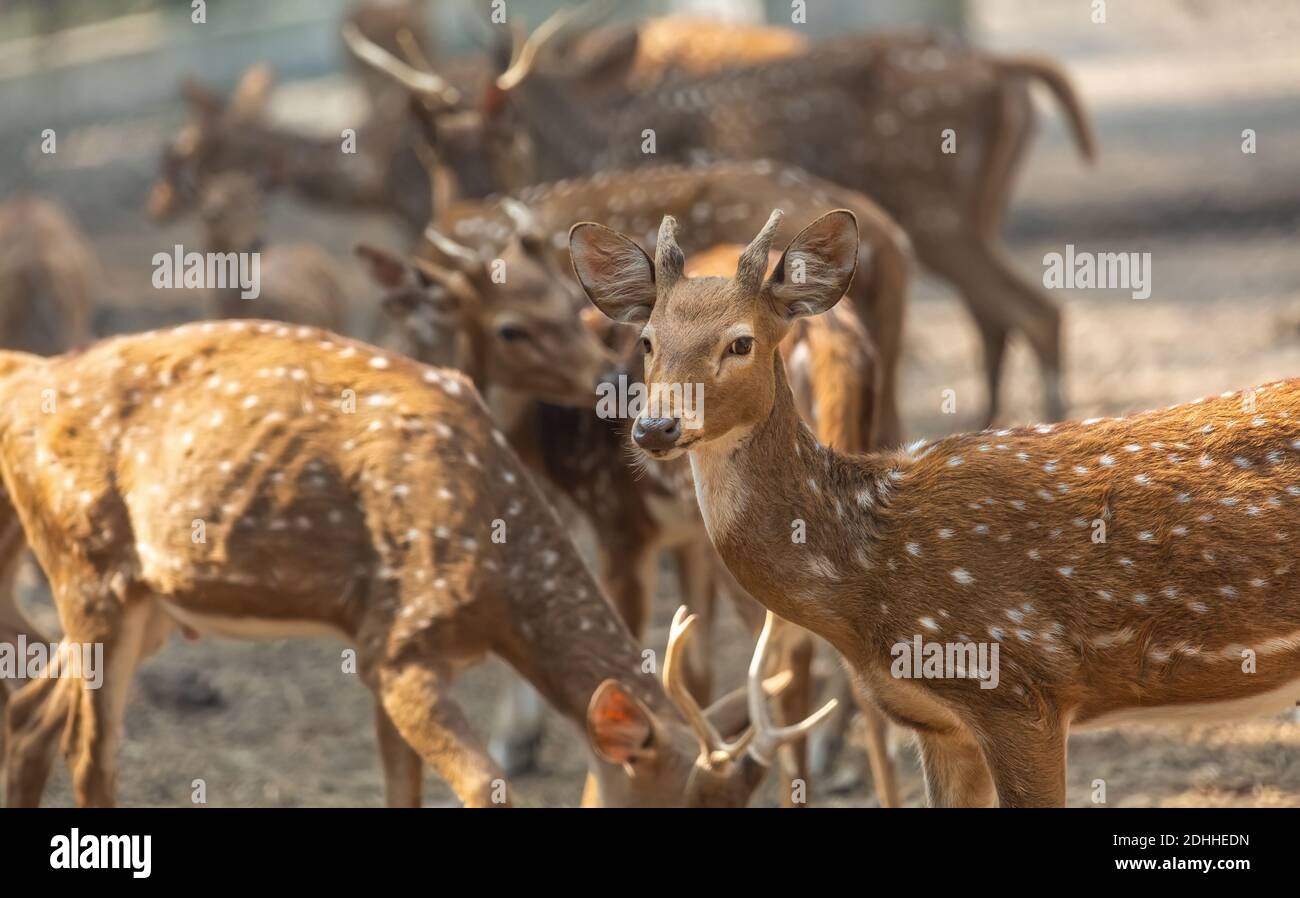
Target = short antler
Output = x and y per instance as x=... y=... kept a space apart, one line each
x=669 y=259
x=768 y=737
x=752 y=267
x=712 y=746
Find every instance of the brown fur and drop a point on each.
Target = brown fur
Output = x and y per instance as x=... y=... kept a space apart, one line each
x=988 y=537
x=870 y=114
x=727 y=202
x=46 y=272
x=376 y=526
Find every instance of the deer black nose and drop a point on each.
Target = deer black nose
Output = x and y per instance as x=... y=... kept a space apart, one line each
x=657 y=433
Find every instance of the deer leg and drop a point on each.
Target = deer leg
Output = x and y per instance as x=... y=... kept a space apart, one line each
x=993 y=291
x=414 y=696
x=403 y=773
x=127 y=630
x=876 y=731
x=32 y=722
x=695 y=566
x=1027 y=760
x=517 y=733
x=994 y=334
x=629 y=573
x=955 y=773
x=793 y=705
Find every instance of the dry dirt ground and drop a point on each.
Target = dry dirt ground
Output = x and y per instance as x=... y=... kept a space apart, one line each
x=280 y=724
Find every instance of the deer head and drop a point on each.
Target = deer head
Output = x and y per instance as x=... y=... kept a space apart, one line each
x=508 y=321
x=178 y=186
x=721 y=334
x=654 y=760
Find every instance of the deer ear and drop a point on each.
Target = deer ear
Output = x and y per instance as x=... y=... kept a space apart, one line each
x=817 y=267
x=251 y=92
x=615 y=273
x=620 y=727
x=386 y=269
x=203 y=98
x=607 y=54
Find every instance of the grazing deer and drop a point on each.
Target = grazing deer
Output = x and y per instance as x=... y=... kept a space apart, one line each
x=1125 y=568
x=406 y=528
x=299 y=282
x=872 y=113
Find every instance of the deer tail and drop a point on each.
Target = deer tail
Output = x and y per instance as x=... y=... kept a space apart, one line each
x=1056 y=80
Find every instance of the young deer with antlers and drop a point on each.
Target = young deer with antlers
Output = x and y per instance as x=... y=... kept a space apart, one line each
x=984 y=536
x=866 y=112
x=406 y=528
x=725 y=201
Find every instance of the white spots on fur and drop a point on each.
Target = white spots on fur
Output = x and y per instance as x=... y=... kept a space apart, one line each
x=1033 y=554
x=1065 y=571
x=962 y=576
x=954 y=461
x=1240 y=461
x=1106 y=460
x=929 y=624
x=944 y=533
x=1228 y=591
x=1142 y=480
x=379 y=362
x=913 y=549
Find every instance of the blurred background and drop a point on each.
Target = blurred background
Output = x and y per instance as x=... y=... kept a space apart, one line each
x=1169 y=85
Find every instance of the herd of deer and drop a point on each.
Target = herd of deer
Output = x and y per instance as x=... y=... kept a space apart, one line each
x=404 y=499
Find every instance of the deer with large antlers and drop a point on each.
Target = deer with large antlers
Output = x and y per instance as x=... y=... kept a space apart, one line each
x=1128 y=568
x=406 y=528
x=929 y=128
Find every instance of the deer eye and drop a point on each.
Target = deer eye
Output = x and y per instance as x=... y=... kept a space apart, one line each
x=645 y=345
x=512 y=333
x=741 y=346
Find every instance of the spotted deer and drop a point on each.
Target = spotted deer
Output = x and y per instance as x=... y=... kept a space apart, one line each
x=1128 y=568
x=634 y=513
x=406 y=528
x=929 y=128
x=298 y=282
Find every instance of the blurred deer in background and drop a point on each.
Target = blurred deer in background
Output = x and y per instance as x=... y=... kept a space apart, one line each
x=46 y=272
x=929 y=128
x=407 y=528
x=235 y=135
x=941 y=542
x=299 y=282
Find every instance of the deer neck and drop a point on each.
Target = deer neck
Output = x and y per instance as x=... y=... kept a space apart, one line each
x=796 y=523
x=569 y=637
